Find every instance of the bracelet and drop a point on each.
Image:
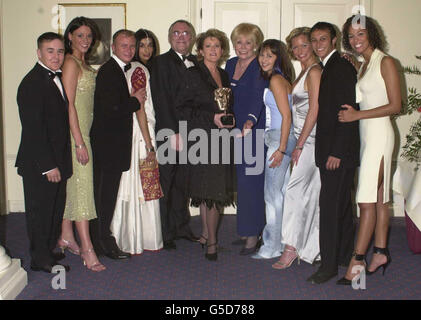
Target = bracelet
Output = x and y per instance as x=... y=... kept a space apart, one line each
x=81 y=146
x=150 y=149
x=283 y=152
x=299 y=148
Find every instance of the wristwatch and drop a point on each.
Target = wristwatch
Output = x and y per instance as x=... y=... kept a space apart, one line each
x=150 y=149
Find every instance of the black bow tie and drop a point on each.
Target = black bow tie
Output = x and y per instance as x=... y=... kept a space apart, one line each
x=54 y=74
x=127 y=67
x=185 y=57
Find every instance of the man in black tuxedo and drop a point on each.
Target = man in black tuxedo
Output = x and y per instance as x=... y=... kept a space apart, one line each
x=336 y=152
x=111 y=138
x=44 y=157
x=167 y=76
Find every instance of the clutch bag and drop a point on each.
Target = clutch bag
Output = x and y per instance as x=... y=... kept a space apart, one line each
x=149 y=177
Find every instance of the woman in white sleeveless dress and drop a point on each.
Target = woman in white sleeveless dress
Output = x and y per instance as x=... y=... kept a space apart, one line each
x=136 y=223
x=300 y=226
x=378 y=92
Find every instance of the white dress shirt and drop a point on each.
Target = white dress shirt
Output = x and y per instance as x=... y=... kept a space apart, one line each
x=56 y=79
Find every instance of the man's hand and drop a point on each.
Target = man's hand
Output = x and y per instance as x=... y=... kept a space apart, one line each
x=140 y=95
x=333 y=163
x=246 y=129
x=176 y=142
x=54 y=176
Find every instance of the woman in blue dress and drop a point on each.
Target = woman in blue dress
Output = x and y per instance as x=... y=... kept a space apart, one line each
x=248 y=86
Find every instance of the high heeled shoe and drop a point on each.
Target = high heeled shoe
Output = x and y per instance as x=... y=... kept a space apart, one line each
x=346 y=282
x=69 y=245
x=203 y=243
x=385 y=251
x=212 y=256
x=281 y=265
x=96 y=266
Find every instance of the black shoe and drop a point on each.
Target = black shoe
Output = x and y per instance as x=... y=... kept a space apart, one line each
x=57 y=256
x=49 y=267
x=246 y=251
x=384 y=251
x=169 y=245
x=189 y=237
x=239 y=242
x=117 y=254
x=212 y=256
x=344 y=281
x=321 y=277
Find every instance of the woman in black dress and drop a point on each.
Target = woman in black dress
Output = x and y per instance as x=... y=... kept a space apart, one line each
x=210 y=183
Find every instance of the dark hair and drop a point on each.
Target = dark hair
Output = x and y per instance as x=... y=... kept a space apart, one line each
x=125 y=32
x=283 y=65
x=325 y=26
x=375 y=36
x=223 y=40
x=75 y=24
x=48 y=36
x=140 y=35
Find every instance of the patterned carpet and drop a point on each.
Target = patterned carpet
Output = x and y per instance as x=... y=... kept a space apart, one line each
x=184 y=274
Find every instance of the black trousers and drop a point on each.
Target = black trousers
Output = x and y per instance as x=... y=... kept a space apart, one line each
x=44 y=208
x=337 y=227
x=106 y=184
x=175 y=214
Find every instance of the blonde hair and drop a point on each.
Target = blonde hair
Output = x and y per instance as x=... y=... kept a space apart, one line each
x=302 y=31
x=223 y=40
x=249 y=30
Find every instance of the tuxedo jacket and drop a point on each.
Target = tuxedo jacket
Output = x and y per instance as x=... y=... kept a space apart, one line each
x=168 y=73
x=43 y=111
x=333 y=138
x=112 y=126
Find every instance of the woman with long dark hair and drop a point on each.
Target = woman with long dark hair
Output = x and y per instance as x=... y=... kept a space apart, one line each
x=146 y=47
x=378 y=92
x=276 y=67
x=79 y=84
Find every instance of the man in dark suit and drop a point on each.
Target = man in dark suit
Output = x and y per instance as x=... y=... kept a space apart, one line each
x=336 y=152
x=44 y=157
x=111 y=138
x=167 y=76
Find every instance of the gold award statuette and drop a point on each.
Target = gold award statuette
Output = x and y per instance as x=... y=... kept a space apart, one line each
x=222 y=98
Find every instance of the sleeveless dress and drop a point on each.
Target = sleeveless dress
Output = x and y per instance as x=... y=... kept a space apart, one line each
x=300 y=227
x=376 y=135
x=276 y=179
x=80 y=203
x=136 y=223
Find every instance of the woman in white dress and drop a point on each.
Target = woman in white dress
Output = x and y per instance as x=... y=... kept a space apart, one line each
x=300 y=225
x=378 y=92
x=136 y=223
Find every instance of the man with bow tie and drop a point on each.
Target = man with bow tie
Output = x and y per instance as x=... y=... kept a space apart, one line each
x=44 y=157
x=111 y=138
x=167 y=76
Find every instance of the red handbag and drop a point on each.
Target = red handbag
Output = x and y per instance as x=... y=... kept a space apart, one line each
x=149 y=177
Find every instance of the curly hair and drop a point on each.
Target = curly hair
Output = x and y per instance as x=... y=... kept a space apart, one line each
x=375 y=37
x=302 y=31
x=223 y=40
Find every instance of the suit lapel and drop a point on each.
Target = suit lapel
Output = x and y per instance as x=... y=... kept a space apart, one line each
x=52 y=85
x=120 y=72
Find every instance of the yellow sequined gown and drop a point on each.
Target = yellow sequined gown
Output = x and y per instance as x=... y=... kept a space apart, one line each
x=80 y=203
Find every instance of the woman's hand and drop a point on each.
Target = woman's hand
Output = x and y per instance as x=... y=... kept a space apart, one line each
x=246 y=129
x=347 y=115
x=82 y=155
x=151 y=156
x=219 y=124
x=296 y=155
x=351 y=58
x=277 y=157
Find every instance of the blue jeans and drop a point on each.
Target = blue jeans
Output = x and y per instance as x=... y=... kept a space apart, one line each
x=276 y=181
